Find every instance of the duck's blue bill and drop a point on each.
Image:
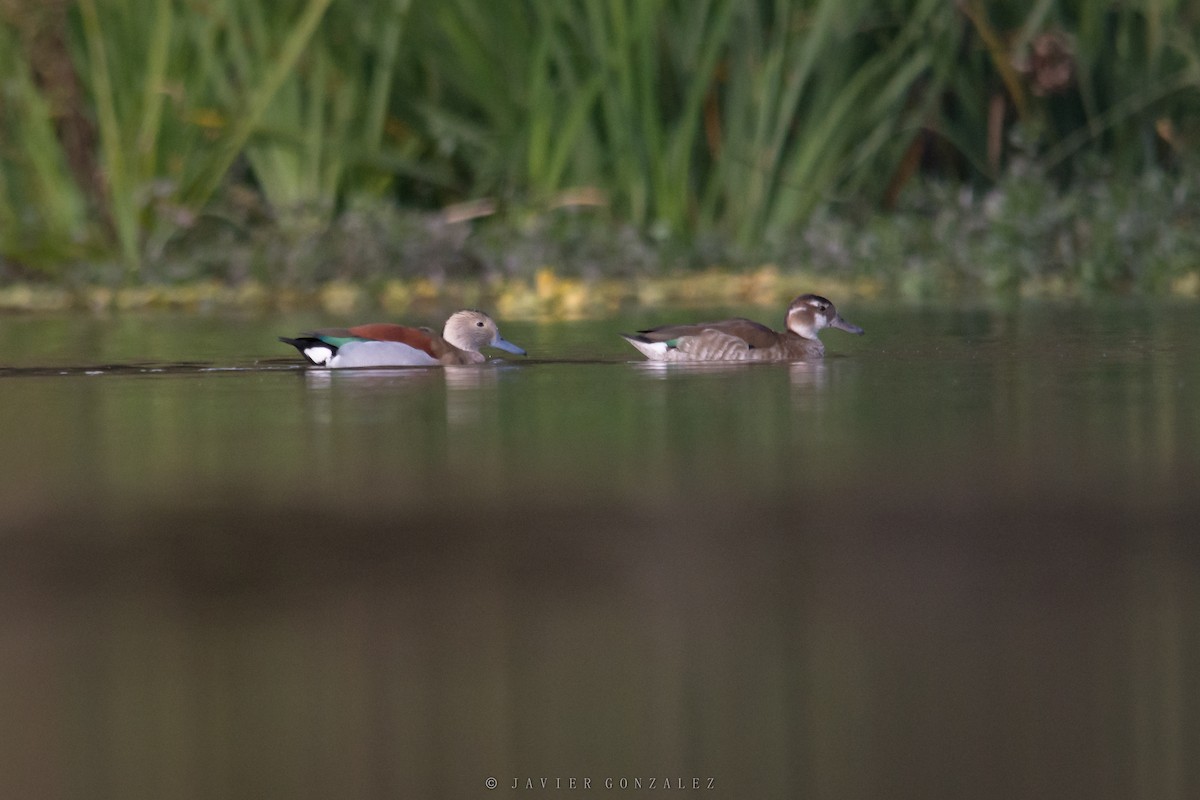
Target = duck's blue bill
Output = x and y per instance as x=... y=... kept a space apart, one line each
x=507 y=346
x=842 y=325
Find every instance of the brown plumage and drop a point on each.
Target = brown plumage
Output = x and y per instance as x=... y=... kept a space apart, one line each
x=742 y=339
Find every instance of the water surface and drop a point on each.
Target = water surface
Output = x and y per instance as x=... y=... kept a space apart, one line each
x=959 y=557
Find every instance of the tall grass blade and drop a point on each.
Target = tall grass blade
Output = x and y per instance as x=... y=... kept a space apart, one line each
x=256 y=104
x=120 y=188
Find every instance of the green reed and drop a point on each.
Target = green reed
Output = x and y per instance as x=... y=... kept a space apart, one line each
x=685 y=118
x=252 y=32
x=43 y=209
x=819 y=104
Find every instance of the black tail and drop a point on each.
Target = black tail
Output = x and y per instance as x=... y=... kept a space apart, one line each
x=306 y=343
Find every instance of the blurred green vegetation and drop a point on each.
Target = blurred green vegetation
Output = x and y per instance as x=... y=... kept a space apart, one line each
x=299 y=141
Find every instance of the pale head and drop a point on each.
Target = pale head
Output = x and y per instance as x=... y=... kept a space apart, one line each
x=809 y=314
x=471 y=330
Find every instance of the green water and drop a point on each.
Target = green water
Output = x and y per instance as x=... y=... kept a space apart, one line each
x=958 y=558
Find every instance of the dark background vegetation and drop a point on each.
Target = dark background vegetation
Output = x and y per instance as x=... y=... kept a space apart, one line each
x=987 y=144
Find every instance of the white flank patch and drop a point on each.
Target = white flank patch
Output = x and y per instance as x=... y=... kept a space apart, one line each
x=318 y=355
x=655 y=351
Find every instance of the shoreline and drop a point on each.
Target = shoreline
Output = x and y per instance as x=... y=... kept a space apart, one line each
x=545 y=295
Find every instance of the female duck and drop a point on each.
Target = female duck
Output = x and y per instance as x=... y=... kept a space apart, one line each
x=744 y=340
x=383 y=344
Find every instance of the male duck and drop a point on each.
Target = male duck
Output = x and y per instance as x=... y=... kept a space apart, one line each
x=383 y=344
x=744 y=340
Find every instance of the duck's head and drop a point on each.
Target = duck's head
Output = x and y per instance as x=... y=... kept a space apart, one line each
x=471 y=330
x=810 y=313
